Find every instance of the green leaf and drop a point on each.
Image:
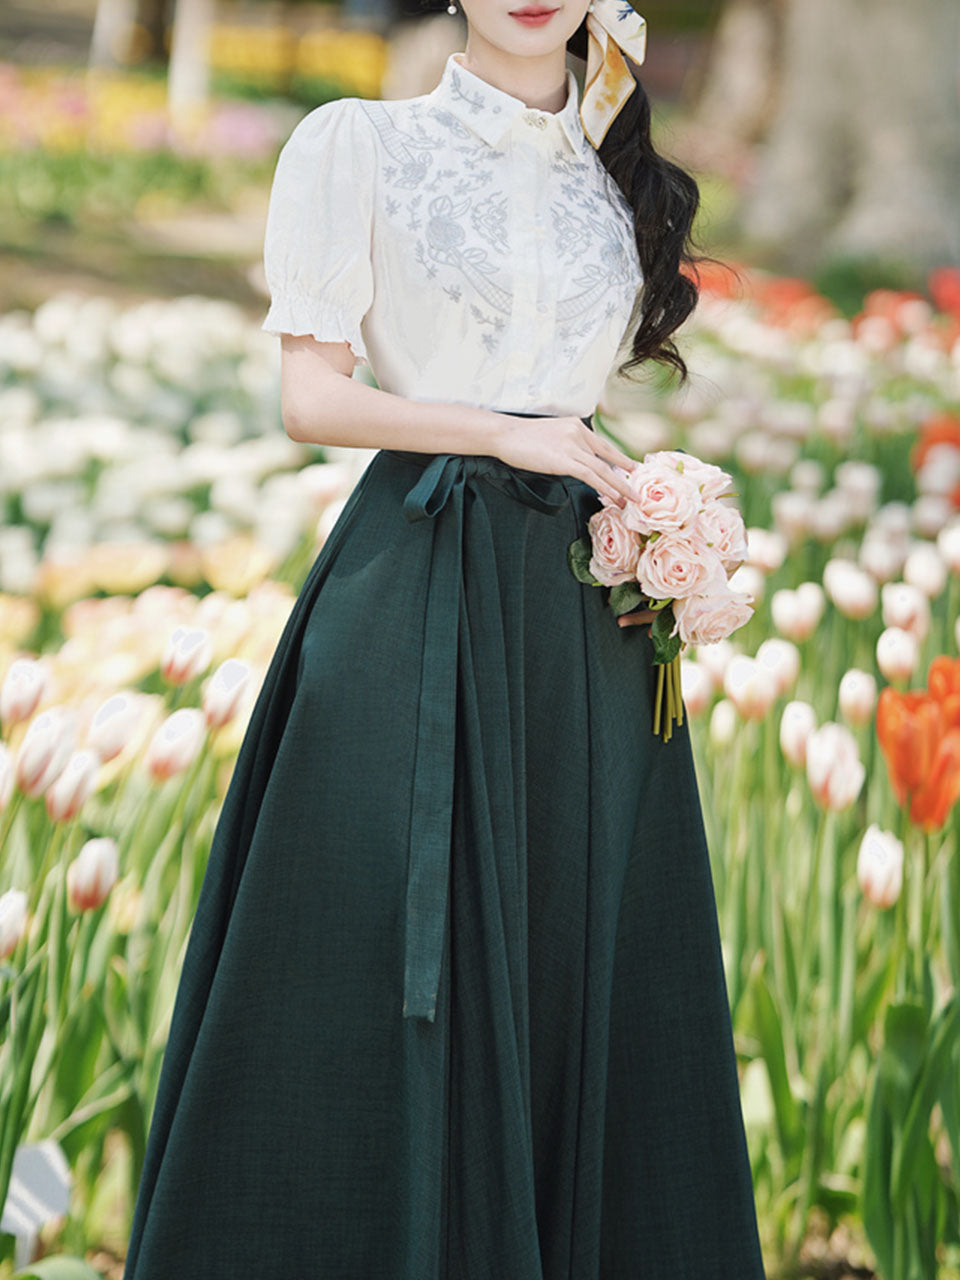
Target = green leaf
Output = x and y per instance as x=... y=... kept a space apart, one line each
x=665 y=646
x=579 y=555
x=907 y=1144
x=625 y=596
x=770 y=1032
x=58 y=1268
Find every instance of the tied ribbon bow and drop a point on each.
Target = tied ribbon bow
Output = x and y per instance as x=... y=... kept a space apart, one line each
x=614 y=28
x=444 y=480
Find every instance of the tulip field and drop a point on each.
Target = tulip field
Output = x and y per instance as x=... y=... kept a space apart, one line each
x=157 y=525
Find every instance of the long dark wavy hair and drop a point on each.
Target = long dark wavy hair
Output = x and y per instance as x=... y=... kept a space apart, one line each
x=665 y=199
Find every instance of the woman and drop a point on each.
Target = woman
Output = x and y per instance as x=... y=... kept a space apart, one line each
x=453 y=1005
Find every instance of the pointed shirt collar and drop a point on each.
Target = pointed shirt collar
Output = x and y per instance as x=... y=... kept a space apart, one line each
x=490 y=111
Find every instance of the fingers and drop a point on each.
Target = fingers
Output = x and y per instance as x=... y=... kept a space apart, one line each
x=604 y=481
x=641 y=618
x=610 y=452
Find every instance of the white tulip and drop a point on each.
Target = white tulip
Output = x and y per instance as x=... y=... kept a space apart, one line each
x=13 y=920
x=852 y=590
x=857 y=696
x=904 y=605
x=880 y=556
x=925 y=569
x=723 y=723
x=749 y=581
x=176 y=742
x=897 y=654
x=782 y=659
x=834 y=768
x=188 y=653
x=225 y=690
x=880 y=867
x=766 y=549
x=713 y=658
x=797 y=721
x=114 y=723
x=930 y=512
x=792 y=511
x=23 y=687
x=948 y=544
x=71 y=789
x=807 y=475
x=6 y=775
x=696 y=686
x=750 y=686
x=45 y=749
x=92 y=874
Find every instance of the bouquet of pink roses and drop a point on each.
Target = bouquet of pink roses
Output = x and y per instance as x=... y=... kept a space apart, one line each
x=671 y=549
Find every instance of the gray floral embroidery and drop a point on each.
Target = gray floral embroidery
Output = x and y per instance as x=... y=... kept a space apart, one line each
x=441 y=188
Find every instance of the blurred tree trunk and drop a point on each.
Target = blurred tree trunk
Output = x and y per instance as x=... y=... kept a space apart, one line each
x=112 y=26
x=188 y=82
x=864 y=151
x=737 y=94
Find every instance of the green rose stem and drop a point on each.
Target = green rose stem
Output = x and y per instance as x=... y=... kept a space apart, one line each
x=656 y=709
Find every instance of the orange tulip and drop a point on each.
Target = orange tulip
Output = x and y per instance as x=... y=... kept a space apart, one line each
x=940 y=428
x=908 y=730
x=943 y=681
x=939 y=793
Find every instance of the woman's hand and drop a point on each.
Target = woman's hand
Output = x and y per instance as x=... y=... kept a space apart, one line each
x=565 y=447
x=637 y=617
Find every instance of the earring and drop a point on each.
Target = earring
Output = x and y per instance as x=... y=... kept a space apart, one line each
x=590 y=7
x=451 y=8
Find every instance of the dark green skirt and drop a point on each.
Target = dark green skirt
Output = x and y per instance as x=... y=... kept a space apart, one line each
x=453 y=1005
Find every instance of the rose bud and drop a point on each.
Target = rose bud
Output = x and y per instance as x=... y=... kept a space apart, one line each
x=880 y=867
x=13 y=920
x=897 y=654
x=45 y=749
x=92 y=874
x=176 y=743
x=23 y=686
x=834 y=768
x=188 y=654
x=797 y=721
x=857 y=696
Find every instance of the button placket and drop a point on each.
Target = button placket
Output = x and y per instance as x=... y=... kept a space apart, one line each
x=525 y=318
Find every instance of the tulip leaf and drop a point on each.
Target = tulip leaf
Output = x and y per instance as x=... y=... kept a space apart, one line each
x=908 y=1146
x=58 y=1268
x=875 y=1200
x=579 y=554
x=770 y=1031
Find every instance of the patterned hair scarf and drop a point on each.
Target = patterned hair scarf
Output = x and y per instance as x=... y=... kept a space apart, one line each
x=614 y=28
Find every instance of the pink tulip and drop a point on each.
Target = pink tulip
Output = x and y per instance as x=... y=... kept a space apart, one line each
x=880 y=867
x=45 y=749
x=23 y=686
x=176 y=743
x=71 y=789
x=92 y=874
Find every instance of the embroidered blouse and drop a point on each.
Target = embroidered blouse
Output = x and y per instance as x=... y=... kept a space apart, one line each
x=468 y=248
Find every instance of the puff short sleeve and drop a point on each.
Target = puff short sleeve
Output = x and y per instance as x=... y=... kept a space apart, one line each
x=317 y=247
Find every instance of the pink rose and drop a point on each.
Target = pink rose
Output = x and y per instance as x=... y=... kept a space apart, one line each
x=724 y=531
x=664 y=500
x=616 y=549
x=711 y=481
x=678 y=564
x=710 y=617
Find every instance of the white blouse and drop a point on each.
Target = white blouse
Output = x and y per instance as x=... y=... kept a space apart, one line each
x=470 y=249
